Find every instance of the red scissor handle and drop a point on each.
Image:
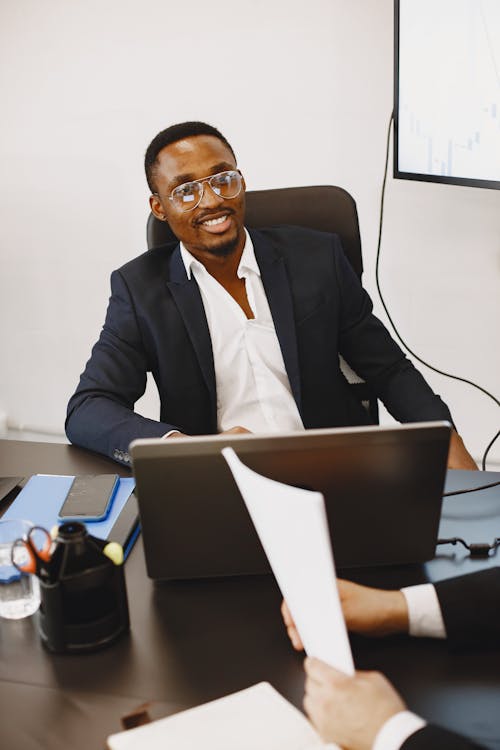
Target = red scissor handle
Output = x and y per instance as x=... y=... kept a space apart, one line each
x=43 y=551
x=37 y=552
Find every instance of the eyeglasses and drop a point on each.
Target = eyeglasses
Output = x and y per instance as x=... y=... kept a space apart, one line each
x=189 y=195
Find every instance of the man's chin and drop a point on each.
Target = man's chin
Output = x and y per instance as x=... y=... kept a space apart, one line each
x=224 y=249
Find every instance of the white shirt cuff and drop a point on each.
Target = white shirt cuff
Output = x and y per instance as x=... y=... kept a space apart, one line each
x=396 y=730
x=424 y=613
x=170 y=432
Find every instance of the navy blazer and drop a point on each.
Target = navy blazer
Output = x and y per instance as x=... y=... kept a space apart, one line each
x=469 y=604
x=156 y=323
x=436 y=738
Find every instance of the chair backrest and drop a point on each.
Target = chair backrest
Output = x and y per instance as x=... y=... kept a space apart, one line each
x=323 y=207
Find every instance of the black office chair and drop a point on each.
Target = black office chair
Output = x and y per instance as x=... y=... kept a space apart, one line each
x=324 y=207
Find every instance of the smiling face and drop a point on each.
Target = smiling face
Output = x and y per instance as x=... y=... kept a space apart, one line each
x=215 y=226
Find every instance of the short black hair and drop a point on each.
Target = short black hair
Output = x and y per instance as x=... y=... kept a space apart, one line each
x=171 y=135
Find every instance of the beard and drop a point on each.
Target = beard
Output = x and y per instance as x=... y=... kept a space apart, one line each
x=224 y=250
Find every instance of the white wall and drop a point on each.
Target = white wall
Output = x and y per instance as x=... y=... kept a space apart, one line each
x=303 y=90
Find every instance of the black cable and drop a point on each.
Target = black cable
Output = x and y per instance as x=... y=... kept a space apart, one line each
x=471 y=489
x=479 y=549
x=398 y=335
x=483 y=462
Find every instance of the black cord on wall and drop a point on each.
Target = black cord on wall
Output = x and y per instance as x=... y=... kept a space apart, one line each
x=398 y=335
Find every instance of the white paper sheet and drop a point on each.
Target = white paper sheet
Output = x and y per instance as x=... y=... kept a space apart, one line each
x=293 y=529
x=258 y=718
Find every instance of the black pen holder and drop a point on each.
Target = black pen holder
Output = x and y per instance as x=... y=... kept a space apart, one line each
x=84 y=604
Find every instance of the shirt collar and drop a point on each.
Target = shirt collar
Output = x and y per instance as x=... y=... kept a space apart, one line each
x=248 y=261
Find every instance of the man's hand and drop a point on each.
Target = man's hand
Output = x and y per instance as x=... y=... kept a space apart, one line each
x=366 y=611
x=348 y=710
x=374 y=612
x=233 y=431
x=236 y=431
x=458 y=455
x=291 y=629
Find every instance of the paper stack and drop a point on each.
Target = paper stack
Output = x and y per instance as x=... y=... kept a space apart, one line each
x=255 y=718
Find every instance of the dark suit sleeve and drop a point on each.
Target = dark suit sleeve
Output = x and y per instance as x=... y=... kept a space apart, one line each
x=101 y=412
x=369 y=349
x=434 y=738
x=470 y=605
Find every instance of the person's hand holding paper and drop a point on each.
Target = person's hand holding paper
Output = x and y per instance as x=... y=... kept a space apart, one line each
x=293 y=529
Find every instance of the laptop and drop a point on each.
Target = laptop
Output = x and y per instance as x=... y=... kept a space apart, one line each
x=382 y=487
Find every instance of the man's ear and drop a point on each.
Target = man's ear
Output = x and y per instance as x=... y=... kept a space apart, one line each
x=156 y=207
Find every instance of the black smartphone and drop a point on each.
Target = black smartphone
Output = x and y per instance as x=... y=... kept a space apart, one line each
x=89 y=498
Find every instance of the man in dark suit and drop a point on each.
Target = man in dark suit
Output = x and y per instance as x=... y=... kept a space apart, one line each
x=364 y=712
x=242 y=330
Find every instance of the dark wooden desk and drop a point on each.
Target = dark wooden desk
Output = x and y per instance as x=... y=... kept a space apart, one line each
x=194 y=641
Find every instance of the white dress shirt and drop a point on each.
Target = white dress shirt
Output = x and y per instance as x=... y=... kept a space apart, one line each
x=396 y=730
x=253 y=389
x=424 y=612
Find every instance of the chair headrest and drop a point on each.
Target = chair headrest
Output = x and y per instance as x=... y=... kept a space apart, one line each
x=327 y=208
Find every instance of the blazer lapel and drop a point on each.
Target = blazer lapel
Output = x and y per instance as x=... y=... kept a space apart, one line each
x=187 y=297
x=279 y=297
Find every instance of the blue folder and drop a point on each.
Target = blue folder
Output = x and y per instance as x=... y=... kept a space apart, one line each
x=41 y=498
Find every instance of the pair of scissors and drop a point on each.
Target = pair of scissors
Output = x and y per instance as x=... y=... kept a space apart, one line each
x=32 y=554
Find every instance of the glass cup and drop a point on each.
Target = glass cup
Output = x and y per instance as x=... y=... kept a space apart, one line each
x=19 y=592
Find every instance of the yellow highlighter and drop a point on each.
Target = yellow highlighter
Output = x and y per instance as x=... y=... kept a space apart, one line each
x=114 y=551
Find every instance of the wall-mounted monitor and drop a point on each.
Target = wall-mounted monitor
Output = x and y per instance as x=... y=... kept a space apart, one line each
x=447 y=91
